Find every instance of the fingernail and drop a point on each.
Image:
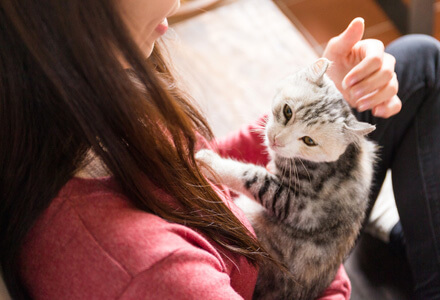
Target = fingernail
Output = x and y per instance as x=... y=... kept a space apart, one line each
x=378 y=111
x=363 y=106
x=356 y=94
x=344 y=85
x=352 y=82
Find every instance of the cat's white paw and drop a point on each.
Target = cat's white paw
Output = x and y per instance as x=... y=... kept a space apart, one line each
x=221 y=170
x=209 y=158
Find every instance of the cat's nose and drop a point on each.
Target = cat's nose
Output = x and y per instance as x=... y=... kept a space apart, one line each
x=272 y=139
x=274 y=142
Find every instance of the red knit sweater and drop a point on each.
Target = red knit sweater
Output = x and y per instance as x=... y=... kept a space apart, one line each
x=91 y=243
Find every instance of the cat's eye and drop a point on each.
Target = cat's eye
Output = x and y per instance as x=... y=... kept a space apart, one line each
x=309 y=141
x=287 y=111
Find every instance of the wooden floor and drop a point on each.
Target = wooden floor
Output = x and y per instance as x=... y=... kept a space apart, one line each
x=320 y=20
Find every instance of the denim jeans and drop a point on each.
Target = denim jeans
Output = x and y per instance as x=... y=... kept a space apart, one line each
x=410 y=147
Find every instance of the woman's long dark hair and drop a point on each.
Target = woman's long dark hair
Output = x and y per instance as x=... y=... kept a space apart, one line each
x=63 y=92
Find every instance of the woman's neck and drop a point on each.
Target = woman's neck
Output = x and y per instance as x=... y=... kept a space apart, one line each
x=93 y=167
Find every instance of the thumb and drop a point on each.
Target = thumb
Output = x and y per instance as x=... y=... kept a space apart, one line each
x=353 y=34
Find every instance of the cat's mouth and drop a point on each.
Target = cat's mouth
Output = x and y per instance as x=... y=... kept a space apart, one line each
x=275 y=146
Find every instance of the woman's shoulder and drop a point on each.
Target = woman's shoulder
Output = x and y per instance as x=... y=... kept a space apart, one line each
x=92 y=227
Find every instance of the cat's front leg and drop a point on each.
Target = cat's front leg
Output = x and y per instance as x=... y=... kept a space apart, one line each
x=236 y=175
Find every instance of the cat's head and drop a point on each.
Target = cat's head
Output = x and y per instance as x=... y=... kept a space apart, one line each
x=310 y=119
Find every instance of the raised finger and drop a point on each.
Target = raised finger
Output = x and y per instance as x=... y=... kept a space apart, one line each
x=371 y=53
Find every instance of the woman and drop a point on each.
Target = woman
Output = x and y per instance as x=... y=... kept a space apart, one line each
x=101 y=195
x=70 y=117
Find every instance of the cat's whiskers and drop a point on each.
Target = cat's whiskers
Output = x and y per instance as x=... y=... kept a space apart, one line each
x=281 y=175
x=295 y=171
x=291 y=161
x=283 y=172
x=307 y=171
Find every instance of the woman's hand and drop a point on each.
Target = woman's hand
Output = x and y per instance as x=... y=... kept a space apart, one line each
x=363 y=72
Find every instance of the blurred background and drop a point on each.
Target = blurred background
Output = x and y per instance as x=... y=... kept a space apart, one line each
x=319 y=20
x=386 y=20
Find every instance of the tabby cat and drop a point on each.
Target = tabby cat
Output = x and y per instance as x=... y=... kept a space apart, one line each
x=314 y=198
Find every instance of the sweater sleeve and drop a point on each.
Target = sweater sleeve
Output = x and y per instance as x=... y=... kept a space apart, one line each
x=184 y=274
x=339 y=289
x=247 y=144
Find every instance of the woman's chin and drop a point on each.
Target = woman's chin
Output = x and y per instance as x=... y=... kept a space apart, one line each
x=149 y=49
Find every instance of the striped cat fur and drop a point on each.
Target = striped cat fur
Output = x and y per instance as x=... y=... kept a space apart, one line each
x=313 y=200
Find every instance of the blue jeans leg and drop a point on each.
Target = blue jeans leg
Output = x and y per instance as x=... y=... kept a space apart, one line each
x=410 y=147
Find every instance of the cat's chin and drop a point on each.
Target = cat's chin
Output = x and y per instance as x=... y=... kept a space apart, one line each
x=277 y=151
x=290 y=156
x=281 y=154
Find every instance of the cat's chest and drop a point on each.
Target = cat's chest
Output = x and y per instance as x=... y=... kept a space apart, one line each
x=296 y=170
x=306 y=180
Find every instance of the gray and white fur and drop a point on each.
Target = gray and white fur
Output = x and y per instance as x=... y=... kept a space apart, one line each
x=314 y=198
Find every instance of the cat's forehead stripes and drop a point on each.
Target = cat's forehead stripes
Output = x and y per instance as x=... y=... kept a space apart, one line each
x=325 y=110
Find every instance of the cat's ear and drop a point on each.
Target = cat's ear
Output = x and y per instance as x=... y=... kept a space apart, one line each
x=315 y=73
x=356 y=129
